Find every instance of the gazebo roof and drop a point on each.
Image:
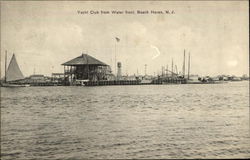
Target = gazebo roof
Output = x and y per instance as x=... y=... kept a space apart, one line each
x=84 y=59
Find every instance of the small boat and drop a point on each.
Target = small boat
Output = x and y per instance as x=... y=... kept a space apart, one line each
x=13 y=74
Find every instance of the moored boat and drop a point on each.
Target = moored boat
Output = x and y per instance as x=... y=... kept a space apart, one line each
x=13 y=74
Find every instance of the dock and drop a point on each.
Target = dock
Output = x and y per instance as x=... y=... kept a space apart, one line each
x=135 y=82
x=114 y=82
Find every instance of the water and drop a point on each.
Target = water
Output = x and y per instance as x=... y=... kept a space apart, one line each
x=154 y=121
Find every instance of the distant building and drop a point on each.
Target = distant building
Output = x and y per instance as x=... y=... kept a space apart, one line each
x=245 y=77
x=37 y=77
x=236 y=79
x=194 y=78
x=215 y=78
x=225 y=78
x=57 y=77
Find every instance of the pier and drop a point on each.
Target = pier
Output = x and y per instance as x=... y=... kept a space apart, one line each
x=114 y=82
x=135 y=82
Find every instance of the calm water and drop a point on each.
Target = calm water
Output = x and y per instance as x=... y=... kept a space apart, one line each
x=156 y=121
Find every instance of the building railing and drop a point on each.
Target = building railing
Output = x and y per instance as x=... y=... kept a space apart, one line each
x=69 y=71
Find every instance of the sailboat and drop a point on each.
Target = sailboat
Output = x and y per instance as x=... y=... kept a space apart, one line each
x=13 y=74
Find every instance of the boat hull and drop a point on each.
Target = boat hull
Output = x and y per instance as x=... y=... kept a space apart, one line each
x=14 y=85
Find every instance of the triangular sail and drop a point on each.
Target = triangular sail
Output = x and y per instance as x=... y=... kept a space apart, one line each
x=13 y=72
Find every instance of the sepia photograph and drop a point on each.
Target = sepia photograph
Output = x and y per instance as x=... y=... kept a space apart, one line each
x=124 y=79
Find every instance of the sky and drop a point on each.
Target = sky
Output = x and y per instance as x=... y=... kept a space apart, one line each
x=43 y=35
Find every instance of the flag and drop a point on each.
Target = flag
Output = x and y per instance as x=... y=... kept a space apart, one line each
x=117 y=39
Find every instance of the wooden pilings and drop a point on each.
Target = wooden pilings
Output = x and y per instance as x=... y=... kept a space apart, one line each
x=170 y=81
x=135 y=82
x=115 y=82
x=158 y=81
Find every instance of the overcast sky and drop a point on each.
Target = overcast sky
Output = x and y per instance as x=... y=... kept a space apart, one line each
x=43 y=35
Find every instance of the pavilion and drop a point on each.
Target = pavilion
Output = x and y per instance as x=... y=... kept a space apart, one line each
x=86 y=67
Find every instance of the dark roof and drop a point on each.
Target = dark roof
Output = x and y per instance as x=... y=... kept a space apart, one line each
x=84 y=59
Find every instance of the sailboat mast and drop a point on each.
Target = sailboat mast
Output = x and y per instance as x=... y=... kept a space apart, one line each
x=172 y=70
x=188 y=64
x=5 y=78
x=184 y=65
x=167 y=70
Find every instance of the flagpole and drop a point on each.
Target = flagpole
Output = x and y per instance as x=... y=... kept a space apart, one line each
x=188 y=64
x=115 y=62
x=183 y=69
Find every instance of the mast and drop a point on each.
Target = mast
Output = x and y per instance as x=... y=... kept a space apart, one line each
x=172 y=67
x=5 y=78
x=188 y=64
x=167 y=70
x=184 y=65
x=162 y=71
x=115 y=63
